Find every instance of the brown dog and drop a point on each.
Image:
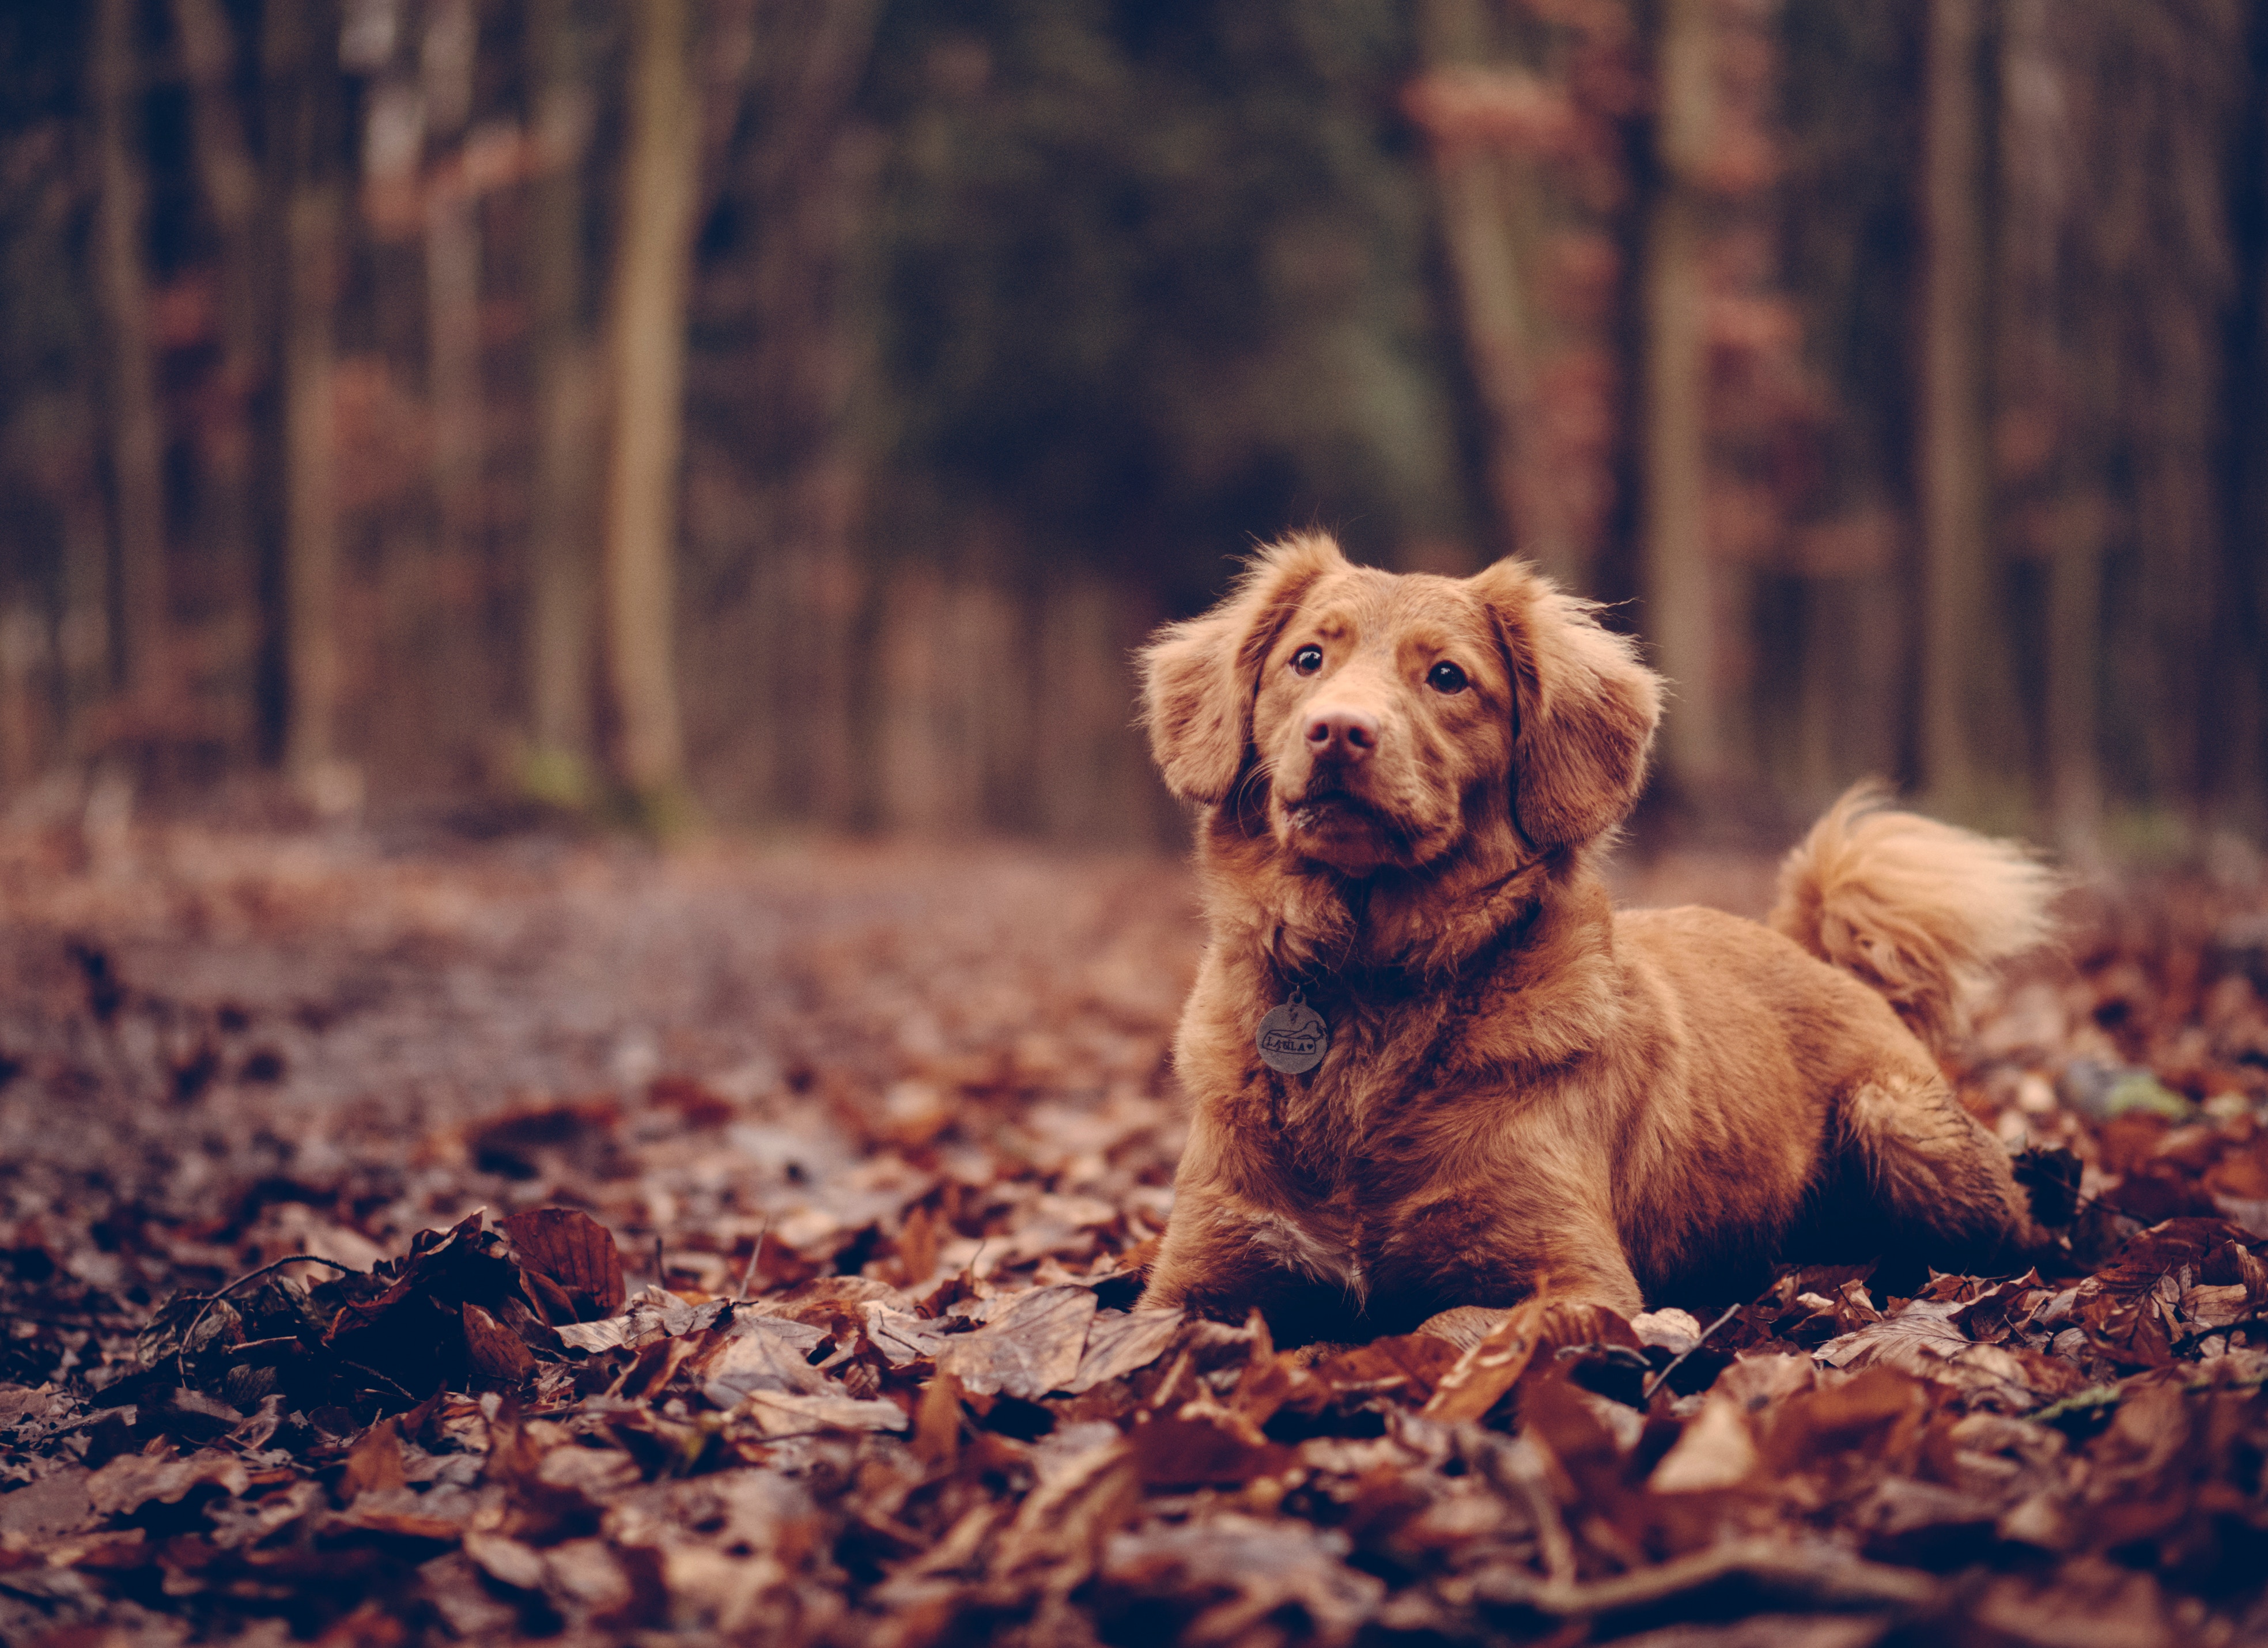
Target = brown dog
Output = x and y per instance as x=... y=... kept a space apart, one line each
x=1406 y=782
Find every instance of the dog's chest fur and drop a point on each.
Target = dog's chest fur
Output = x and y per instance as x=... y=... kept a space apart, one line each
x=1370 y=1173
x=1365 y=1152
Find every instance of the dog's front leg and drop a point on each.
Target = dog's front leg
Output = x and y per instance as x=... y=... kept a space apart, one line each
x=1222 y=1257
x=1566 y=1255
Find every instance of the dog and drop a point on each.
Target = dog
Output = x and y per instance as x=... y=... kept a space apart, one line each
x=1432 y=1072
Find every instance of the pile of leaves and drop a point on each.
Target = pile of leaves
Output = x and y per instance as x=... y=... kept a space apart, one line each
x=409 y=1242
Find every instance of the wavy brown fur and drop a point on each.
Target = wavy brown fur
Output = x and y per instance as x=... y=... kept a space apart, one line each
x=1921 y=911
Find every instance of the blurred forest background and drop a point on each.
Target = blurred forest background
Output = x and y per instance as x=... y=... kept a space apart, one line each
x=792 y=412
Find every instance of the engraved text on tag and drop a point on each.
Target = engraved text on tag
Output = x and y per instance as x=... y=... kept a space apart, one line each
x=1292 y=1037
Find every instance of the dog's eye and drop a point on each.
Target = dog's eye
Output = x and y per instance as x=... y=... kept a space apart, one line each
x=1308 y=660
x=1445 y=678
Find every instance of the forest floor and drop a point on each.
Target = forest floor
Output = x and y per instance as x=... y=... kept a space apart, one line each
x=851 y=1160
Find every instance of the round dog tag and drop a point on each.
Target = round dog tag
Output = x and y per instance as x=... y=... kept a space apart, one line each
x=1292 y=1037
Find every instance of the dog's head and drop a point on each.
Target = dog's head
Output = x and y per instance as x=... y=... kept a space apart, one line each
x=1383 y=720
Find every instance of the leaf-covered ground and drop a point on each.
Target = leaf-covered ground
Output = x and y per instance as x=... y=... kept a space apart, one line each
x=740 y=1245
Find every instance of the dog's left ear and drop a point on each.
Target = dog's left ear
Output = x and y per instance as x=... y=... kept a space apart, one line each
x=1198 y=677
x=1588 y=707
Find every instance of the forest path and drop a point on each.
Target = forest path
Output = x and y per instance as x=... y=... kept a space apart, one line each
x=918 y=1105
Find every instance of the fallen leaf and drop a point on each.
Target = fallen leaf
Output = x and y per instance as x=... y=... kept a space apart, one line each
x=1119 y=1342
x=375 y=1463
x=1412 y=1365
x=782 y=1414
x=759 y=1353
x=576 y=1253
x=1236 y=1572
x=58 y=1504
x=903 y=1337
x=1177 y=1452
x=1715 y=1452
x=1536 y=1327
x=125 y=1485
x=1031 y=1345
x=494 y=1352
x=506 y=1561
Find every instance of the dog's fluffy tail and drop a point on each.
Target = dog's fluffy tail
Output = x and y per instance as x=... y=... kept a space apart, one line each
x=1921 y=911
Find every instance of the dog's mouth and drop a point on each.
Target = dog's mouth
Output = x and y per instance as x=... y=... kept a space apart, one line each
x=1330 y=803
x=1343 y=829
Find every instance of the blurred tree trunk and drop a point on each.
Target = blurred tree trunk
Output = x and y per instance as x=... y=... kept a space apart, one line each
x=1480 y=240
x=1951 y=471
x=645 y=346
x=559 y=619
x=2243 y=729
x=811 y=183
x=1488 y=231
x=300 y=63
x=1678 y=584
x=453 y=338
x=24 y=646
x=2074 y=655
x=230 y=181
x=137 y=472
x=2044 y=301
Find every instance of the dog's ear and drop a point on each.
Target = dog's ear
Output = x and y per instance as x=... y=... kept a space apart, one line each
x=1586 y=708
x=1199 y=677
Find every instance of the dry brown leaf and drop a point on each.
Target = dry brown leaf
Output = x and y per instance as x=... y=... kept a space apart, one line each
x=495 y=1351
x=56 y=1505
x=1120 y=1343
x=784 y=1414
x=406 y=1515
x=1240 y=1571
x=751 y=1353
x=1485 y=1372
x=506 y=1561
x=937 y=1431
x=125 y=1485
x=374 y=1462
x=1030 y=1345
x=901 y=1337
x=1715 y=1452
x=1413 y=1365
x=1531 y=1330
x=2085 y=1604
x=576 y=1253
x=1178 y=1453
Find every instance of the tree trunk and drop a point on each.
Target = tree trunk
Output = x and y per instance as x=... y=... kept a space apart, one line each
x=559 y=615
x=300 y=54
x=230 y=524
x=811 y=184
x=453 y=342
x=2074 y=647
x=1493 y=229
x=1955 y=497
x=1678 y=585
x=2244 y=724
x=137 y=472
x=24 y=644
x=646 y=349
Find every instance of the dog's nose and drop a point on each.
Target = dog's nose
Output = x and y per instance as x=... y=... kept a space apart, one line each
x=1347 y=733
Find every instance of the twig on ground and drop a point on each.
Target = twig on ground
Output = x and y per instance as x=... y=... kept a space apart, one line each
x=1655 y=1383
x=756 y=1253
x=182 y=1352
x=399 y=1390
